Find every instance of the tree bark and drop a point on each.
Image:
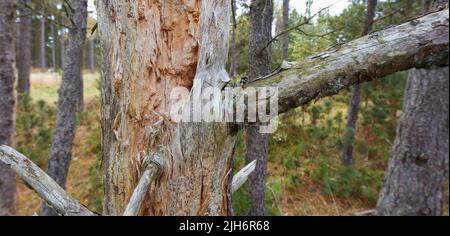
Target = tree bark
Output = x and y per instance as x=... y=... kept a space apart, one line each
x=7 y=102
x=62 y=48
x=260 y=64
x=416 y=175
x=142 y=44
x=285 y=27
x=24 y=50
x=60 y=156
x=92 y=56
x=233 y=62
x=418 y=166
x=42 y=45
x=53 y=31
x=355 y=99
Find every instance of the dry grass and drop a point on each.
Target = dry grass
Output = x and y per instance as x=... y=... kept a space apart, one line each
x=45 y=85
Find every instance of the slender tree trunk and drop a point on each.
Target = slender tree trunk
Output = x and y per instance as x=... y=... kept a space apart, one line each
x=62 y=48
x=7 y=102
x=42 y=45
x=418 y=166
x=80 y=88
x=233 y=64
x=260 y=62
x=53 y=31
x=61 y=152
x=92 y=56
x=285 y=27
x=355 y=99
x=24 y=50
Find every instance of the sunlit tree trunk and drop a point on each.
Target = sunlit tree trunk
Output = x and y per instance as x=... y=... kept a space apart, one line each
x=7 y=102
x=61 y=151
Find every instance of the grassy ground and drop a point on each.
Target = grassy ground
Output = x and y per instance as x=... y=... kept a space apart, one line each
x=44 y=86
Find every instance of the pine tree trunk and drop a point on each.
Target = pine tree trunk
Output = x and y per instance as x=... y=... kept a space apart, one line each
x=355 y=99
x=53 y=31
x=62 y=49
x=7 y=102
x=233 y=63
x=61 y=152
x=260 y=63
x=285 y=27
x=42 y=46
x=418 y=166
x=92 y=56
x=24 y=50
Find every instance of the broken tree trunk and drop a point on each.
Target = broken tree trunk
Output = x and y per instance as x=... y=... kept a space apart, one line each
x=149 y=48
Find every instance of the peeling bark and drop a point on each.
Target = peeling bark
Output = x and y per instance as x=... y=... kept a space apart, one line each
x=7 y=102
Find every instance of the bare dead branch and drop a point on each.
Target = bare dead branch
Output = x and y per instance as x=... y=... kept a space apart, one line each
x=152 y=166
x=40 y=182
x=241 y=177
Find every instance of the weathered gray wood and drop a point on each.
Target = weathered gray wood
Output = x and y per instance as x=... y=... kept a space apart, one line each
x=45 y=186
x=152 y=165
x=242 y=176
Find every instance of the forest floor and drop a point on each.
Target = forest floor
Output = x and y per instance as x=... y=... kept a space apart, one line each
x=302 y=175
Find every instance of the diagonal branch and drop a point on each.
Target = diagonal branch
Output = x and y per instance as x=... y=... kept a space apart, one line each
x=152 y=166
x=241 y=177
x=421 y=42
x=45 y=186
